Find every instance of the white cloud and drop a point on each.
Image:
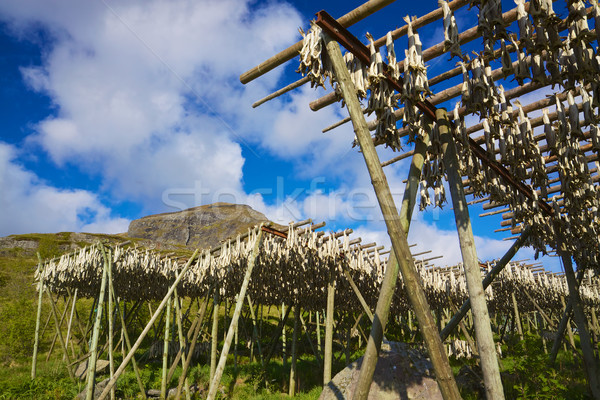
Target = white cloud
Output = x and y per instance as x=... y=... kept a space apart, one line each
x=143 y=90
x=29 y=205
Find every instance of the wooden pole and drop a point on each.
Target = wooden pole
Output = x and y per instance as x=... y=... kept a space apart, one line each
x=188 y=359
x=139 y=340
x=569 y=329
x=111 y=364
x=348 y=337
x=38 y=317
x=580 y=319
x=214 y=335
x=327 y=358
x=165 y=361
x=517 y=315
x=450 y=326
x=254 y=329
x=191 y=335
x=128 y=343
x=59 y=333
x=179 y=318
x=562 y=324
x=70 y=324
x=91 y=365
x=483 y=329
x=361 y=299
x=283 y=338
x=399 y=258
x=275 y=339
x=293 y=371
x=214 y=384
x=310 y=342
x=318 y=317
x=62 y=319
x=225 y=315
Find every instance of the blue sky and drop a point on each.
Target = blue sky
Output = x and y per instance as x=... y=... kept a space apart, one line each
x=115 y=110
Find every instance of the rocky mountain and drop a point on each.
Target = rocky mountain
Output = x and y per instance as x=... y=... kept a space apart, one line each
x=199 y=227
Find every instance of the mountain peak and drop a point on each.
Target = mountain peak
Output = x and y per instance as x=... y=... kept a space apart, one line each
x=198 y=227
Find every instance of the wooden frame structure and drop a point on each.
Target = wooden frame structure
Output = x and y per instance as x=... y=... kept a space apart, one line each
x=353 y=288
x=516 y=168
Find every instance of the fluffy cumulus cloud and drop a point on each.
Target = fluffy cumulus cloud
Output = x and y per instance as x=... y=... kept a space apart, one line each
x=30 y=205
x=139 y=86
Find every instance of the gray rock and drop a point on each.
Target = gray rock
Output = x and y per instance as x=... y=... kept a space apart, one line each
x=97 y=390
x=401 y=373
x=81 y=371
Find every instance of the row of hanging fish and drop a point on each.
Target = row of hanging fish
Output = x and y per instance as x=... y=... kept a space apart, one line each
x=295 y=270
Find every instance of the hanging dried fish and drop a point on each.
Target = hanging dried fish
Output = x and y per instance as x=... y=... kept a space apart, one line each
x=393 y=67
x=310 y=57
x=466 y=86
x=525 y=27
x=358 y=74
x=507 y=67
x=596 y=14
x=588 y=114
x=381 y=99
x=416 y=67
x=573 y=115
x=538 y=73
x=549 y=131
x=577 y=22
x=570 y=69
x=522 y=70
x=451 y=39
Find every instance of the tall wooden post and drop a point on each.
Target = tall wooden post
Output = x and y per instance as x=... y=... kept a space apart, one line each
x=293 y=371
x=328 y=357
x=214 y=384
x=140 y=338
x=91 y=366
x=165 y=361
x=111 y=363
x=399 y=258
x=517 y=315
x=283 y=338
x=181 y=340
x=57 y=325
x=214 y=335
x=483 y=329
x=255 y=335
x=563 y=323
x=580 y=319
x=60 y=324
x=38 y=316
x=318 y=317
x=188 y=359
x=128 y=343
x=569 y=329
x=70 y=324
x=310 y=342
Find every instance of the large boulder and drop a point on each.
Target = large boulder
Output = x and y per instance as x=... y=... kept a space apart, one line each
x=402 y=372
x=82 y=369
x=199 y=227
